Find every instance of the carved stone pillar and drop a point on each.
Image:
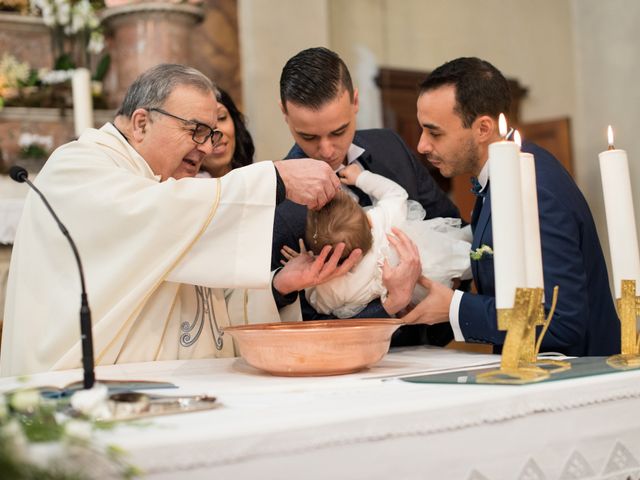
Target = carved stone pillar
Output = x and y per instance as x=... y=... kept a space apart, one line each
x=141 y=35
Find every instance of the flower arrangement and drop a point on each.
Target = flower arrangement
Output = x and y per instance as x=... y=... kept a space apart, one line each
x=13 y=76
x=75 y=30
x=76 y=40
x=21 y=85
x=35 y=146
x=480 y=252
x=38 y=441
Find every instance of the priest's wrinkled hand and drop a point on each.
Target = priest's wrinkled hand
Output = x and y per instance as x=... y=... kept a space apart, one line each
x=435 y=306
x=308 y=182
x=401 y=279
x=305 y=270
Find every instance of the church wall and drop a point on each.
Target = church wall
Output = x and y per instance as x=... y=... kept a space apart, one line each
x=270 y=33
x=529 y=41
x=607 y=45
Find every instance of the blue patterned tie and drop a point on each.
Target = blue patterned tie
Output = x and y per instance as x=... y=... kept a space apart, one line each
x=476 y=188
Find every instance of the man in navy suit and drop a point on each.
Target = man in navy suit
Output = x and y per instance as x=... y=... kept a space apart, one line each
x=458 y=108
x=319 y=104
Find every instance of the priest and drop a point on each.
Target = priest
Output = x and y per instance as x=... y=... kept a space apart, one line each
x=147 y=239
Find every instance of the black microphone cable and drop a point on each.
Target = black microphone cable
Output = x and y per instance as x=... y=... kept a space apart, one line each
x=20 y=175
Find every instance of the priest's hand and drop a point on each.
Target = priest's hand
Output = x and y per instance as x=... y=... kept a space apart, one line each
x=435 y=306
x=401 y=279
x=308 y=182
x=304 y=270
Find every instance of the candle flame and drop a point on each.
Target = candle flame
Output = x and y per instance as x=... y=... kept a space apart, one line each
x=610 y=137
x=517 y=138
x=502 y=125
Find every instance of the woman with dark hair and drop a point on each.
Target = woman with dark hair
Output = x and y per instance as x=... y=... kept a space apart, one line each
x=236 y=148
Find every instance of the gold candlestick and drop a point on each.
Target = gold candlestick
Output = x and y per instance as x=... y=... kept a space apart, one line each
x=628 y=307
x=519 y=344
x=535 y=312
x=552 y=366
x=519 y=363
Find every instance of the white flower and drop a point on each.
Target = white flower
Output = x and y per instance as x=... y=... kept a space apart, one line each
x=74 y=17
x=56 y=76
x=24 y=140
x=25 y=400
x=93 y=402
x=96 y=43
x=16 y=439
x=12 y=72
x=48 y=16
x=27 y=139
x=63 y=12
x=78 y=430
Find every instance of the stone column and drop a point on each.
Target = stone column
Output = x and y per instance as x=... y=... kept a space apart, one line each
x=141 y=35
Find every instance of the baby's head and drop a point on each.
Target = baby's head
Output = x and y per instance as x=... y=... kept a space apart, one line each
x=340 y=220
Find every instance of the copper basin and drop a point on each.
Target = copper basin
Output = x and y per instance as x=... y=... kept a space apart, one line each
x=327 y=347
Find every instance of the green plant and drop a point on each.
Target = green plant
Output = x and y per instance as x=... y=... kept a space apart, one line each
x=29 y=423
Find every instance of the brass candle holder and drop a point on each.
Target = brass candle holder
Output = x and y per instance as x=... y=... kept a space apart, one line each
x=628 y=310
x=519 y=363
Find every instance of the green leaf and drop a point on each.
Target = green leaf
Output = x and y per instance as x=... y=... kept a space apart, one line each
x=64 y=62
x=102 y=68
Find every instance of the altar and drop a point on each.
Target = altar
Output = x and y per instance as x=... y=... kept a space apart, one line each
x=373 y=425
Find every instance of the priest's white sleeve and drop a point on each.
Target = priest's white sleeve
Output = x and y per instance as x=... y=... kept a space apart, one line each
x=235 y=249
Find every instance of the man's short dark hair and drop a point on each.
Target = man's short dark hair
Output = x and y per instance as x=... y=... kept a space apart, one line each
x=480 y=88
x=314 y=77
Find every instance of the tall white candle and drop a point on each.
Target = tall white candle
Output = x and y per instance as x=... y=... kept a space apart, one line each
x=82 y=101
x=621 y=220
x=530 y=219
x=506 y=218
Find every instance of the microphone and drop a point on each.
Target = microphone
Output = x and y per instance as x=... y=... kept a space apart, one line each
x=20 y=175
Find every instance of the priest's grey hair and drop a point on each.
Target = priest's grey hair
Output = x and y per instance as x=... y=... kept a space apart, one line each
x=153 y=87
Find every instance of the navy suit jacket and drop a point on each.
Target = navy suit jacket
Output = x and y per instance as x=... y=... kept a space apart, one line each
x=585 y=321
x=387 y=155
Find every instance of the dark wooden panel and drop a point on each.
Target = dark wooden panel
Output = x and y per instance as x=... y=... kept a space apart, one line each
x=552 y=135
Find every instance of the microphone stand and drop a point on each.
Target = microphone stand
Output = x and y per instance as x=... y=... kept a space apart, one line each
x=20 y=175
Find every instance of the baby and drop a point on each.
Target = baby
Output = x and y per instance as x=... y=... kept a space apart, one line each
x=444 y=247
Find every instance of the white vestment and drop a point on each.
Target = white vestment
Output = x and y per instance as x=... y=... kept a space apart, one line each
x=145 y=245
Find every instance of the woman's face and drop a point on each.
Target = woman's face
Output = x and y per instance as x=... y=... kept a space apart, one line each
x=218 y=162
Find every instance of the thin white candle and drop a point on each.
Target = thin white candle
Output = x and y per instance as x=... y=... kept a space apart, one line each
x=82 y=101
x=506 y=218
x=621 y=220
x=531 y=218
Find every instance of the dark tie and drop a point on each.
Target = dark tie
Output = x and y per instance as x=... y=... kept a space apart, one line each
x=363 y=199
x=475 y=215
x=477 y=208
x=476 y=188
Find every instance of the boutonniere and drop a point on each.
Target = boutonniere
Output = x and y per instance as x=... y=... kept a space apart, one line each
x=480 y=252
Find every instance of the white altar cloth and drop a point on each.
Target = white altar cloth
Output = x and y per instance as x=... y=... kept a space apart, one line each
x=371 y=425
